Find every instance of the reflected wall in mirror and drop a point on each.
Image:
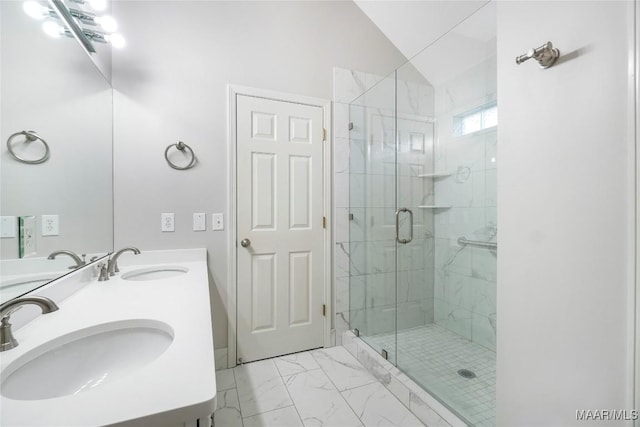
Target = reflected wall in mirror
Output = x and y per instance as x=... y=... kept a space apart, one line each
x=51 y=87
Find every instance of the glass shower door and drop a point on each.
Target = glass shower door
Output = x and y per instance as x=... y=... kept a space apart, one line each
x=447 y=128
x=423 y=220
x=372 y=245
x=415 y=199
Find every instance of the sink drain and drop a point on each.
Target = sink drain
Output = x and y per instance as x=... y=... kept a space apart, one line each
x=465 y=373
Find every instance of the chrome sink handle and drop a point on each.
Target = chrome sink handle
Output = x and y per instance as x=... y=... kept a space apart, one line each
x=103 y=272
x=113 y=262
x=7 y=341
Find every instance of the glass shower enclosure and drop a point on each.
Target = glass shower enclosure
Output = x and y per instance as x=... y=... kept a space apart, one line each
x=422 y=218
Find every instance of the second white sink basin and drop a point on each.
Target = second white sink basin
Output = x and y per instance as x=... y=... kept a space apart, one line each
x=154 y=273
x=86 y=358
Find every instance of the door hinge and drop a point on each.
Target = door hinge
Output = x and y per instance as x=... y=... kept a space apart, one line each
x=324 y=222
x=324 y=310
x=324 y=134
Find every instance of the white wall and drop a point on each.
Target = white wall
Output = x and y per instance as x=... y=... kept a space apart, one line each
x=565 y=212
x=171 y=81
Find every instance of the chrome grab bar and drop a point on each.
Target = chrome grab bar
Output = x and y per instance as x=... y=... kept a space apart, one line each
x=404 y=241
x=462 y=241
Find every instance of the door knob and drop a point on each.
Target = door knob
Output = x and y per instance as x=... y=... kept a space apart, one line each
x=245 y=243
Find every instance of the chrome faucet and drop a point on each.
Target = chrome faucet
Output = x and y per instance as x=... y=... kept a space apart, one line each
x=79 y=261
x=7 y=341
x=113 y=262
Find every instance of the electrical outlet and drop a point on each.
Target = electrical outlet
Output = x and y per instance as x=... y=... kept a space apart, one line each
x=50 y=225
x=217 y=220
x=168 y=222
x=8 y=226
x=27 y=236
x=199 y=222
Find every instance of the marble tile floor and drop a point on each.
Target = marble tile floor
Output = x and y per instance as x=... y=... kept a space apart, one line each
x=324 y=387
x=432 y=355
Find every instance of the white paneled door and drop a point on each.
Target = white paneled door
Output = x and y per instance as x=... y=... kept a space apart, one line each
x=280 y=235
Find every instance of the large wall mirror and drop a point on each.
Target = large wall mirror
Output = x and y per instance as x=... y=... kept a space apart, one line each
x=50 y=91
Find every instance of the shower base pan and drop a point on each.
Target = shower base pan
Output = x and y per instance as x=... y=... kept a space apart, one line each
x=442 y=361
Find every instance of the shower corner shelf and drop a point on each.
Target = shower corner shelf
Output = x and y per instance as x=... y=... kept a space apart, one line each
x=435 y=175
x=435 y=207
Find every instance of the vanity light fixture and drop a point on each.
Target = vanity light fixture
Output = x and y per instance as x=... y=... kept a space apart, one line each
x=116 y=40
x=52 y=29
x=35 y=10
x=97 y=5
x=78 y=21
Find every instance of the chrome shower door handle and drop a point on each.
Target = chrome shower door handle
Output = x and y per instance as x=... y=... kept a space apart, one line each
x=404 y=241
x=410 y=225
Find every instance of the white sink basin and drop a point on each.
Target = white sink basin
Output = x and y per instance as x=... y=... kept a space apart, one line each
x=85 y=359
x=154 y=273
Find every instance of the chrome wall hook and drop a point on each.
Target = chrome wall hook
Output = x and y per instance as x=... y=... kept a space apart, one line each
x=546 y=55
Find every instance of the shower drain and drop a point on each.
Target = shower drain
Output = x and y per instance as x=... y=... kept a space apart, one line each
x=465 y=373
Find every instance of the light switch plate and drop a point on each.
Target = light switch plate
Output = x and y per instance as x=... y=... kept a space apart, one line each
x=8 y=226
x=217 y=221
x=50 y=225
x=199 y=221
x=168 y=222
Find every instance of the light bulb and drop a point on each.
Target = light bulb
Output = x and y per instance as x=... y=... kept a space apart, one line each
x=107 y=23
x=34 y=9
x=52 y=29
x=98 y=5
x=116 y=40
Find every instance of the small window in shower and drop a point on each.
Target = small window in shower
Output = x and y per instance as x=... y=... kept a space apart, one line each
x=475 y=120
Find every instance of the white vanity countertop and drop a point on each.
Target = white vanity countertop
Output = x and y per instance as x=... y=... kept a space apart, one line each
x=176 y=387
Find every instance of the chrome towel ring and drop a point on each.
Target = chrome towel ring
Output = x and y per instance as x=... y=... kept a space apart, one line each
x=30 y=136
x=182 y=147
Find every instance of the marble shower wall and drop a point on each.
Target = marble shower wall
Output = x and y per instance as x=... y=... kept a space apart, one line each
x=365 y=187
x=465 y=277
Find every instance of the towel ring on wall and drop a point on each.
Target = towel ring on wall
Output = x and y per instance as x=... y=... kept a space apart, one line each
x=180 y=146
x=30 y=136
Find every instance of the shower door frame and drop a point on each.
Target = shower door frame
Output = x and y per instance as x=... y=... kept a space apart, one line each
x=327 y=193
